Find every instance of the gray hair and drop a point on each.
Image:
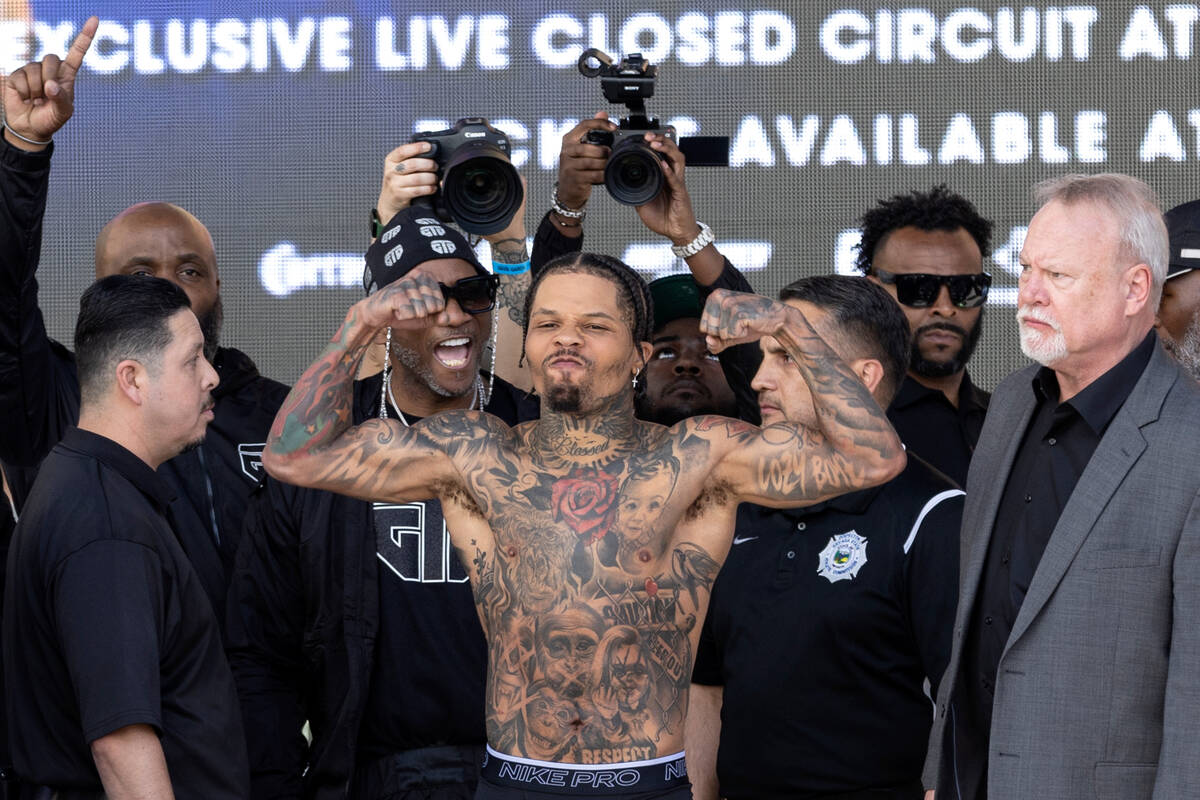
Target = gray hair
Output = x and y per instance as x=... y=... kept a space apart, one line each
x=1135 y=207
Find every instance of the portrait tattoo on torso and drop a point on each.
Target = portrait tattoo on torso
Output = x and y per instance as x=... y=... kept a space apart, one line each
x=588 y=586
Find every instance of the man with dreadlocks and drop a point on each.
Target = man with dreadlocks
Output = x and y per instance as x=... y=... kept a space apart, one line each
x=927 y=250
x=591 y=538
x=358 y=617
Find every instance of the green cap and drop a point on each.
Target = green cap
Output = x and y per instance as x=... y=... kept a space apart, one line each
x=675 y=297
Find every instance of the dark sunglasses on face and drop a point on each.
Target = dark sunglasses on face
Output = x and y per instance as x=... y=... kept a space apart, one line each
x=474 y=295
x=920 y=290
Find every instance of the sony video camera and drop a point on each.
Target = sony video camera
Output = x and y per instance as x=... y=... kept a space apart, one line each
x=479 y=188
x=632 y=174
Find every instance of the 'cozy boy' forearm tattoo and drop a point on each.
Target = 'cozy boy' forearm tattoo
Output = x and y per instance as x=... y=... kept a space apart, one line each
x=849 y=421
x=852 y=437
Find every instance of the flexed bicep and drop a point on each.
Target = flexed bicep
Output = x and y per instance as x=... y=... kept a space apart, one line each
x=378 y=460
x=849 y=444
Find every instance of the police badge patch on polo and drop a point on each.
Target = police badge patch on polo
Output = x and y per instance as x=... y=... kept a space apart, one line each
x=842 y=557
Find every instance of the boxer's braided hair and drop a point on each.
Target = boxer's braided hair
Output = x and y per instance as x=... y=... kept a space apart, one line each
x=633 y=293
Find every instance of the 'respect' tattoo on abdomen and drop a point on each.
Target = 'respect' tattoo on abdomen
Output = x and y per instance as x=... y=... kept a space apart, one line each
x=590 y=608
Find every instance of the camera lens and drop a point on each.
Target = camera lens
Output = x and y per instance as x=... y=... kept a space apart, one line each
x=632 y=175
x=482 y=190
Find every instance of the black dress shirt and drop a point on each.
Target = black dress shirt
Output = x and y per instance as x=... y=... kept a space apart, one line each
x=930 y=426
x=1054 y=452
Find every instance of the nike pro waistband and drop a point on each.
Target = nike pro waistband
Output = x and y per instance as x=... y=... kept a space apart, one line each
x=591 y=780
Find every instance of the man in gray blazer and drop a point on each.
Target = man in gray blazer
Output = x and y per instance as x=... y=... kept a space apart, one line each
x=1075 y=669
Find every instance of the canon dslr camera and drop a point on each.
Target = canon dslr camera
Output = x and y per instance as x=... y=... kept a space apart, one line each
x=480 y=189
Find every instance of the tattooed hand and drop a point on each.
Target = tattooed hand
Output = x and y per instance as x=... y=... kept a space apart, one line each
x=411 y=303
x=732 y=318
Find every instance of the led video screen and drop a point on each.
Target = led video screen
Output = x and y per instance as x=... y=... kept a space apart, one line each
x=270 y=122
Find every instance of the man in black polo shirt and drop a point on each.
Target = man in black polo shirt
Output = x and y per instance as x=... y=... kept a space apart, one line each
x=826 y=621
x=117 y=684
x=927 y=250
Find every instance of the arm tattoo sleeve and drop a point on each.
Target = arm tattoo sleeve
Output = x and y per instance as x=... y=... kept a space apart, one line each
x=852 y=444
x=511 y=295
x=318 y=409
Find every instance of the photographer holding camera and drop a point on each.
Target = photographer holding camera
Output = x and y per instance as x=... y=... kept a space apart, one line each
x=669 y=214
x=411 y=175
x=354 y=616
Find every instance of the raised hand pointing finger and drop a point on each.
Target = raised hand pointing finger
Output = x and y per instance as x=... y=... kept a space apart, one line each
x=39 y=98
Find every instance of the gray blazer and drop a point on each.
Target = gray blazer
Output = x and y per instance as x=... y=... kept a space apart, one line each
x=1097 y=694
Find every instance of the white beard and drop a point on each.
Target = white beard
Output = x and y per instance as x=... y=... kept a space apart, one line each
x=1045 y=348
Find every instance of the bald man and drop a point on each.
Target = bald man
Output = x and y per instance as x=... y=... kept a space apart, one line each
x=39 y=390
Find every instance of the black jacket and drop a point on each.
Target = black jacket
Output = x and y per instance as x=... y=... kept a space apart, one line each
x=39 y=394
x=304 y=619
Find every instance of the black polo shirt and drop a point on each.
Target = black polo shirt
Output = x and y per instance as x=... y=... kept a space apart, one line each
x=824 y=624
x=930 y=426
x=1054 y=452
x=107 y=625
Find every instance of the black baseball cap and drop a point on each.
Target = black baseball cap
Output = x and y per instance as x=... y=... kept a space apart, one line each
x=675 y=297
x=411 y=238
x=1183 y=231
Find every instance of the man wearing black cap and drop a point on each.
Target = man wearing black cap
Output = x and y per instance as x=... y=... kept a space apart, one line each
x=358 y=617
x=1178 y=319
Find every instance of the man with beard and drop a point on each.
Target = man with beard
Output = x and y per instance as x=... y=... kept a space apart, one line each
x=1178 y=321
x=1076 y=645
x=39 y=391
x=682 y=378
x=117 y=683
x=927 y=250
x=504 y=489
x=358 y=617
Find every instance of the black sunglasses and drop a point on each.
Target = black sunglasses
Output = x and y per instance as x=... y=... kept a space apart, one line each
x=920 y=290
x=475 y=295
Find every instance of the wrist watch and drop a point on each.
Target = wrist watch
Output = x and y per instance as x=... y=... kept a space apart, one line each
x=702 y=240
x=376 y=224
